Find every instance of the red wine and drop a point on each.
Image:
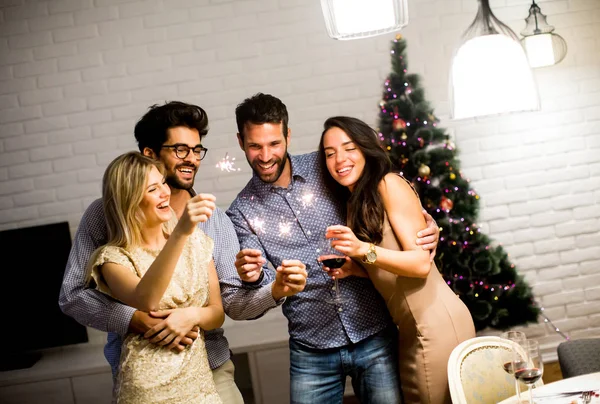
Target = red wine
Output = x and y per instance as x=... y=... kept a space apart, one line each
x=508 y=366
x=334 y=262
x=528 y=376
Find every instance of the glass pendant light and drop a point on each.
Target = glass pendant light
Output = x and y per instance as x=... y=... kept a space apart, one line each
x=490 y=73
x=542 y=45
x=353 y=19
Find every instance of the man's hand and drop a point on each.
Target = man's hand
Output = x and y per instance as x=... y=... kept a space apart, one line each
x=141 y=322
x=428 y=237
x=176 y=325
x=290 y=279
x=248 y=263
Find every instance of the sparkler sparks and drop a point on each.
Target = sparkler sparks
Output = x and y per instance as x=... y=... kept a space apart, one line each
x=285 y=228
x=258 y=225
x=308 y=200
x=227 y=164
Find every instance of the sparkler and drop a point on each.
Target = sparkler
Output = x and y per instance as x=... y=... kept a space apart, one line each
x=308 y=200
x=227 y=164
x=258 y=225
x=285 y=228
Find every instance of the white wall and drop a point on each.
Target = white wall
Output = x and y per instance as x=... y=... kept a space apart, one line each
x=76 y=74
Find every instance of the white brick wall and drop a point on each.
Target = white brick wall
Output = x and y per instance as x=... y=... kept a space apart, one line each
x=76 y=74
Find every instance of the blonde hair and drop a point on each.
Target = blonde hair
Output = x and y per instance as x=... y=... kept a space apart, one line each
x=123 y=188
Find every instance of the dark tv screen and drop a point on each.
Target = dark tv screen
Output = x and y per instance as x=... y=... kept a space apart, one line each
x=31 y=287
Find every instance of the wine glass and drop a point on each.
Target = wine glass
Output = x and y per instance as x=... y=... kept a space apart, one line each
x=519 y=338
x=528 y=364
x=332 y=259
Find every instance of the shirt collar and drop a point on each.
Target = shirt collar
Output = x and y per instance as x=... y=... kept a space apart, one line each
x=299 y=172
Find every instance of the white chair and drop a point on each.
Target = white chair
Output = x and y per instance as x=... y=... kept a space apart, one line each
x=475 y=373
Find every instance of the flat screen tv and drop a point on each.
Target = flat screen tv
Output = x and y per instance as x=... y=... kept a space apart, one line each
x=34 y=265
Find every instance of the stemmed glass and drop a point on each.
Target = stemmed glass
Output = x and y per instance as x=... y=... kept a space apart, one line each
x=528 y=364
x=518 y=338
x=332 y=259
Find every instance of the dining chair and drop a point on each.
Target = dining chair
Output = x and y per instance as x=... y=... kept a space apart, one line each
x=475 y=373
x=579 y=357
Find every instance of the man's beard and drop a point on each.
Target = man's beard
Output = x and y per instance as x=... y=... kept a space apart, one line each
x=174 y=182
x=271 y=178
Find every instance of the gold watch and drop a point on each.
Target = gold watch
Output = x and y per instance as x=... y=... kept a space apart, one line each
x=371 y=255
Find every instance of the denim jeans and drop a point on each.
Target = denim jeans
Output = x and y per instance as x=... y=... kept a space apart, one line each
x=319 y=376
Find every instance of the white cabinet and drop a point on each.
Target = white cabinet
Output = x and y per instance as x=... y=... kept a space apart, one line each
x=47 y=392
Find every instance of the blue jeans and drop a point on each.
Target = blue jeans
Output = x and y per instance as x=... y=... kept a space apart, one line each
x=319 y=376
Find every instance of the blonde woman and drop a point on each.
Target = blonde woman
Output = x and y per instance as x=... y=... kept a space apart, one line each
x=158 y=265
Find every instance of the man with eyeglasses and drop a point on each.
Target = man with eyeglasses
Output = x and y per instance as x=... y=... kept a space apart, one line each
x=171 y=133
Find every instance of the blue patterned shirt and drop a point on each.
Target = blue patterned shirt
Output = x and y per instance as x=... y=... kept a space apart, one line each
x=290 y=223
x=94 y=309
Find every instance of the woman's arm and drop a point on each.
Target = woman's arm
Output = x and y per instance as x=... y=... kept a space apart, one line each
x=179 y=322
x=145 y=293
x=404 y=212
x=406 y=219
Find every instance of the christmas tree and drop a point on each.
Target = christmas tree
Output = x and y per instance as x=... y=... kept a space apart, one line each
x=478 y=271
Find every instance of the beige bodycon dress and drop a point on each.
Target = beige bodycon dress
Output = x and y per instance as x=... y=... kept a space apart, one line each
x=431 y=321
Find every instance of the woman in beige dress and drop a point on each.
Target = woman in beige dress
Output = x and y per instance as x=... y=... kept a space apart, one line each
x=158 y=266
x=384 y=214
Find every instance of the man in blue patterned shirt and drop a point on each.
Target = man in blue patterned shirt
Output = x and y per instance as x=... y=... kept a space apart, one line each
x=280 y=217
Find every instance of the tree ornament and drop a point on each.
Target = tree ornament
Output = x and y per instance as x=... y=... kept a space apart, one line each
x=424 y=170
x=404 y=161
x=452 y=176
x=398 y=37
x=398 y=124
x=446 y=204
x=450 y=144
x=403 y=136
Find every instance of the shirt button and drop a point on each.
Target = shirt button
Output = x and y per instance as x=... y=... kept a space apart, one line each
x=340 y=309
x=288 y=194
x=333 y=288
x=308 y=232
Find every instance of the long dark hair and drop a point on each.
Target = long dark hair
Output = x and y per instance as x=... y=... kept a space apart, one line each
x=365 y=208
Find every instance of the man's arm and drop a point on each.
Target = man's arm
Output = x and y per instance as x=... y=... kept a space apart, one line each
x=89 y=306
x=241 y=301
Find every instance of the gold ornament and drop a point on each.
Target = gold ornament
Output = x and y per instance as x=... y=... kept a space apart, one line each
x=452 y=176
x=403 y=136
x=398 y=37
x=424 y=170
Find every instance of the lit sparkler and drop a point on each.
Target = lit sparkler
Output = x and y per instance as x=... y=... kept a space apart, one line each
x=308 y=200
x=258 y=225
x=285 y=228
x=227 y=164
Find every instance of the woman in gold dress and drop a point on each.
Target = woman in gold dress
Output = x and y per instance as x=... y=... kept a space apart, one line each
x=384 y=214
x=158 y=265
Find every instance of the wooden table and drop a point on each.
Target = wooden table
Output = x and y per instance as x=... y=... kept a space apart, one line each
x=585 y=382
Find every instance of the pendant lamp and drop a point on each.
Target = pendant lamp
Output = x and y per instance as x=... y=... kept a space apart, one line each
x=490 y=74
x=354 y=19
x=542 y=45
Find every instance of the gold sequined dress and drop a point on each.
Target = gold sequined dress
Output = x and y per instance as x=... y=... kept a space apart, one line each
x=149 y=373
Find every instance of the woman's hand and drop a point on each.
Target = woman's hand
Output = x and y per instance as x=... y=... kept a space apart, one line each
x=177 y=324
x=350 y=268
x=197 y=210
x=346 y=242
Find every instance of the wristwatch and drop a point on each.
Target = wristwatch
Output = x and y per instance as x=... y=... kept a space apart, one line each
x=371 y=255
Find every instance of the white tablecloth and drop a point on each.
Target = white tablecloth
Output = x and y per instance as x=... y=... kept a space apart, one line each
x=545 y=393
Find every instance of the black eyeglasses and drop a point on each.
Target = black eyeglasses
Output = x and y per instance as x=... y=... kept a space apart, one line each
x=183 y=150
